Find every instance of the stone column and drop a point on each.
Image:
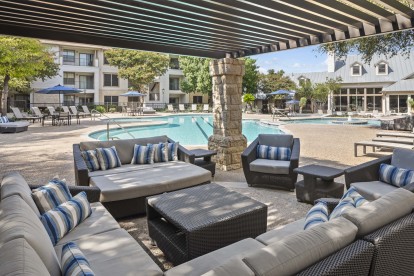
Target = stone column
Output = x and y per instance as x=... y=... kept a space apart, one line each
x=227 y=138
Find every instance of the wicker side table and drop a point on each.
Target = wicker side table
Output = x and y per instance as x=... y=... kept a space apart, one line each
x=191 y=222
x=203 y=159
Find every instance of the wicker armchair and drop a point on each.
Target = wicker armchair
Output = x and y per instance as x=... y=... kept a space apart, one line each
x=365 y=177
x=284 y=181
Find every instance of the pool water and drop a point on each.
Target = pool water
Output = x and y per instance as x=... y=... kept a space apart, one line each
x=188 y=130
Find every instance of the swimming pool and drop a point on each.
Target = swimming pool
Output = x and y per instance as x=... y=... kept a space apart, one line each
x=187 y=129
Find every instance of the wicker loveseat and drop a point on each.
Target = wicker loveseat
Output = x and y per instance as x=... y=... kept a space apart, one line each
x=271 y=173
x=123 y=189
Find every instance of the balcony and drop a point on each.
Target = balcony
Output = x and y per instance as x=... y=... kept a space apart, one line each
x=88 y=62
x=88 y=84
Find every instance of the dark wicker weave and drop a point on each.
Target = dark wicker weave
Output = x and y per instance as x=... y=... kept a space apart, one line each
x=365 y=172
x=92 y=193
x=192 y=222
x=394 y=248
x=281 y=181
x=355 y=259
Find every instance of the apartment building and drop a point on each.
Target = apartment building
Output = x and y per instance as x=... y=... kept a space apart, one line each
x=383 y=84
x=85 y=67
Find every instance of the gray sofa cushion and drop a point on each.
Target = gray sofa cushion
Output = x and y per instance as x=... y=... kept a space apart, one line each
x=270 y=166
x=131 y=167
x=276 y=140
x=281 y=232
x=403 y=158
x=19 y=221
x=230 y=268
x=125 y=148
x=17 y=257
x=374 y=189
x=98 y=222
x=15 y=124
x=382 y=211
x=115 y=253
x=209 y=261
x=139 y=183
x=14 y=184
x=298 y=251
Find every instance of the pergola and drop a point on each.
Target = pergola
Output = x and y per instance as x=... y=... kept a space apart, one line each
x=209 y=28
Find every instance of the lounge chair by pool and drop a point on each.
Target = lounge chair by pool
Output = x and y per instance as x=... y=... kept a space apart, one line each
x=21 y=116
x=181 y=107
x=193 y=107
x=171 y=108
x=205 y=108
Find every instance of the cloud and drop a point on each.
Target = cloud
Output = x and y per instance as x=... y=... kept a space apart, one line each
x=262 y=70
x=297 y=65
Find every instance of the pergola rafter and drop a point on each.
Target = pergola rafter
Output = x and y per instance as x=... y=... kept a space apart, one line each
x=209 y=28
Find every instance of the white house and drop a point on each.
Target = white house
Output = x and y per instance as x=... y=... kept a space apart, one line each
x=84 y=67
x=383 y=85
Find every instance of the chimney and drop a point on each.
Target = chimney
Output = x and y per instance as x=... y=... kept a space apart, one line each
x=331 y=62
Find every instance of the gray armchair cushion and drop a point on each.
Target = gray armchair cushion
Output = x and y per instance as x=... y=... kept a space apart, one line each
x=276 y=140
x=373 y=190
x=232 y=267
x=270 y=166
x=403 y=158
x=279 y=233
x=382 y=211
x=298 y=251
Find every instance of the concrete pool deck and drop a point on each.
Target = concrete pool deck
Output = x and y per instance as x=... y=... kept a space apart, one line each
x=41 y=153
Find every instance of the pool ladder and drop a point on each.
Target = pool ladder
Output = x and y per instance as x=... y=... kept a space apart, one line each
x=108 y=137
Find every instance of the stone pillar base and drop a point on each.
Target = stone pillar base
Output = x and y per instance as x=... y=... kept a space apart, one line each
x=229 y=151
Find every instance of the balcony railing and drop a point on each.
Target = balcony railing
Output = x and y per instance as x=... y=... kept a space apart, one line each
x=79 y=62
x=79 y=85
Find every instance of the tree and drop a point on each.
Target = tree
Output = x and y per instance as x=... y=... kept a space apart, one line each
x=322 y=91
x=251 y=76
x=23 y=60
x=389 y=45
x=139 y=67
x=305 y=89
x=197 y=75
x=273 y=81
x=248 y=98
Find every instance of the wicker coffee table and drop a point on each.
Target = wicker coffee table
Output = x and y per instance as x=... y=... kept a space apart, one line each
x=191 y=222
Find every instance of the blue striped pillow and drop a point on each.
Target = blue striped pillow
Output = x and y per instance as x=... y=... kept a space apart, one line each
x=51 y=195
x=395 y=176
x=273 y=153
x=143 y=154
x=344 y=205
x=172 y=149
x=359 y=200
x=61 y=220
x=160 y=152
x=316 y=215
x=108 y=158
x=73 y=261
x=91 y=160
x=4 y=119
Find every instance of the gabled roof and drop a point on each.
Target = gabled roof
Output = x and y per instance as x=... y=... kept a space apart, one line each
x=356 y=63
x=216 y=29
x=401 y=86
x=381 y=61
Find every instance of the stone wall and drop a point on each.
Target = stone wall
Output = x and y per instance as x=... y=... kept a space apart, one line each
x=227 y=138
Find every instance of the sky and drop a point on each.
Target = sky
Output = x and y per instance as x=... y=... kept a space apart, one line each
x=299 y=60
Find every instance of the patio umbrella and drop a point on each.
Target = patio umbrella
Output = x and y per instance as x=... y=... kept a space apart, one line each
x=292 y=102
x=59 y=89
x=133 y=94
x=282 y=92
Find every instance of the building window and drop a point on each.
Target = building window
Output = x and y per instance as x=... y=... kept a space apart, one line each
x=106 y=62
x=68 y=56
x=86 y=59
x=86 y=82
x=356 y=70
x=174 y=63
x=111 y=100
x=174 y=83
x=382 y=69
x=111 y=80
x=197 y=99
x=68 y=78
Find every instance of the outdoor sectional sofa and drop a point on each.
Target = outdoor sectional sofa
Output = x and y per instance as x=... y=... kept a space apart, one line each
x=14 y=127
x=124 y=189
x=375 y=239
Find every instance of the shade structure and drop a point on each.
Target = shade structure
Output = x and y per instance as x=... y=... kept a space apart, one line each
x=59 y=89
x=282 y=92
x=292 y=102
x=133 y=94
x=216 y=29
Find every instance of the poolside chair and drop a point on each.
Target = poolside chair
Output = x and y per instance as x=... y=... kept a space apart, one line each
x=320 y=112
x=76 y=112
x=171 y=108
x=181 y=107
x=66 y=109
x=87 y=113
x=51 y=110
x=206 y=108
x=339 y=113
x=39 y=114
x=21 y=116
x=194 y=108
x=267 y=172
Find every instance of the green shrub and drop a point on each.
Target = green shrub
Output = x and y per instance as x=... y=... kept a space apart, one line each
x=112 y=109
x=100 y=108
